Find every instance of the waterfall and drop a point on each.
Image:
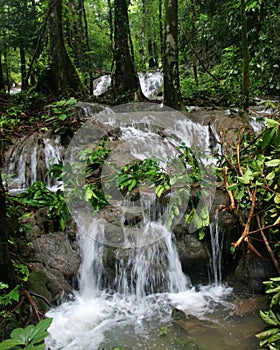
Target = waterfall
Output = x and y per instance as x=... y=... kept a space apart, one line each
x=151 y=84
x=130 y=277
x=217 y=238
x=29 y=160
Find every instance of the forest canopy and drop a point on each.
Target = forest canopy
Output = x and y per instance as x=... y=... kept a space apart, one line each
x=224 y=51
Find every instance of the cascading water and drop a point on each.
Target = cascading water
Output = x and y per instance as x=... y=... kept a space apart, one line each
x=217 y=238
x=127 y=307
x=29 y=160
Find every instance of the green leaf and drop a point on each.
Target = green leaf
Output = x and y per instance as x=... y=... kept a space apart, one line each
x=132 y=185
x=267 y=136
x=273 y=163
x=268 y=333
x=176 y=210
x=274 y=338
x=277 y=198
x=270 y=176
x=243 y=180
x=201 y=234
x=272 y=123
x=232 y=187
x=159 y=190
x=275 y=279
x=38 y=333
x=88 y=194
x=20 y=335
x=9 y=344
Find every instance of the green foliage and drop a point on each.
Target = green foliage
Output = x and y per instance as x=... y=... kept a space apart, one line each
x=60 y=115
x=163 y=331
x=270 y=338
x=144 y=171
x=29 y=338
x=10 y=297
x=253 y=167
x=23 y=271
x=38 y=196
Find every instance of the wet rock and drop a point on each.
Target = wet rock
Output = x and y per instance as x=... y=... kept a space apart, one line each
x=250 y=273
x=55 y=252
x=178 y=315
x=113 y=234
x=194 y=256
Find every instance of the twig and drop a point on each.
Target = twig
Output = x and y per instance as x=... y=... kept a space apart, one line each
x=41 y=297
x=263 y=228
x=39 y=315
x=232 y=201
x=248 y=223
x=275 y=262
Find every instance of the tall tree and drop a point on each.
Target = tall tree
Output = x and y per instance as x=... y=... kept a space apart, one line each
x=2 y=85
x=125 y=79
x=172 y=96
x=245 y=54
x=61 y=78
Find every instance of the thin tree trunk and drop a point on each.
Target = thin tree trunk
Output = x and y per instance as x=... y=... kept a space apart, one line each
x=193 y=41
x=172 y=96
x=24 y=84
x=160 y=29
x=245 y=54
x=38 y=45
x=88 y=48
x=111 y=24
x=7 y=271
x=143 y=34
x=2 y=85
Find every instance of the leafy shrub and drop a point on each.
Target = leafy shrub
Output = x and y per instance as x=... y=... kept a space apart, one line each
x=38 y=196
x=29 y=338
x=270 y=338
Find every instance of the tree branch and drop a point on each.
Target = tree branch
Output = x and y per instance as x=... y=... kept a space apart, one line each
x=275 y=262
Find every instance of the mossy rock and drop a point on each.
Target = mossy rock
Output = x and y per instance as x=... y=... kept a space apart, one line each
x=40 y=284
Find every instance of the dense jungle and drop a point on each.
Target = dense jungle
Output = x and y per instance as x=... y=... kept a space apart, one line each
x=139 y=174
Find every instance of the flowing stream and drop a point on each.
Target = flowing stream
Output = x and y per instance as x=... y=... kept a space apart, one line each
x=139 y=308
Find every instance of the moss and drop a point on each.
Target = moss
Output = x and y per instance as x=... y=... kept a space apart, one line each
x=38 y=283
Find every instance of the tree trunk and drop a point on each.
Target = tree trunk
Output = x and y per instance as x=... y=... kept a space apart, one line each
x=23 y=68
x=7 y=271
x=61 y=79
x=245 y=54
x=160 y=29
x=143 y=63
x=172 y=96
x=88 y=48
x=2 y=85
x=125 y=81
x=193 y=41
x=111 y=24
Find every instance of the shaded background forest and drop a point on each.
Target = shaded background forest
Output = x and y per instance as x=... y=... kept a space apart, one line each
x=225 y=48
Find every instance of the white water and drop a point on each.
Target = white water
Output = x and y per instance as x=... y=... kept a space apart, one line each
x=131 y=310
x=151 y=84
x=29 y=160
x=217 y=238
